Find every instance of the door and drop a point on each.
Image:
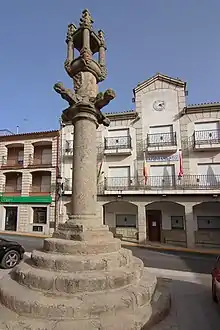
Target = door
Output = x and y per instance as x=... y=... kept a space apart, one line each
x=154 y=224
x=11 y=218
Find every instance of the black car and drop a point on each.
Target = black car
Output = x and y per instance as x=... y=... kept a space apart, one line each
x=10 y=253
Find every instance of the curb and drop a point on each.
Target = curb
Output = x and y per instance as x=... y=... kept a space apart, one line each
x=172 y=249
x=15 y=233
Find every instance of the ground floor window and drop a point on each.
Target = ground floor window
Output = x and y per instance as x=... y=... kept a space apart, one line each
x=126 y=220
x=40 y=215
x=208 y=222
x=177 y=222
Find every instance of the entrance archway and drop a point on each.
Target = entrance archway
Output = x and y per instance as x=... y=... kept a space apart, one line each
x=165 y=222
x=207 y=223
x=121 y=217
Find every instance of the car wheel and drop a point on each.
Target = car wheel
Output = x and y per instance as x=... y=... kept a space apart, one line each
x=10 y=259
x=214 y=296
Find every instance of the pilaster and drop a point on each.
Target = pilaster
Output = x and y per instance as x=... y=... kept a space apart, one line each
x=142 y=223
x=190 y=225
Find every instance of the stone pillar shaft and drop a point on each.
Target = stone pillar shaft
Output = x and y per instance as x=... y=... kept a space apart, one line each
x=86 y=38
x=70 y=51
x=84 y=188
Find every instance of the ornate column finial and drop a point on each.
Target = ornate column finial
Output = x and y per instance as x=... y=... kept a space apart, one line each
x=86 y=20
x=102 y=38
x=71 y=29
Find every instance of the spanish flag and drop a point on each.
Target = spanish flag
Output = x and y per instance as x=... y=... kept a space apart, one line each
x=145 y=169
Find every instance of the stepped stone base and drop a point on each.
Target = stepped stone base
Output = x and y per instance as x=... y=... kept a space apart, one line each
x=83 y=284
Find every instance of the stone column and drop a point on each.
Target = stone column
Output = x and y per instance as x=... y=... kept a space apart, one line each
x=189 y=226
x=84 y=188
x=142 y=224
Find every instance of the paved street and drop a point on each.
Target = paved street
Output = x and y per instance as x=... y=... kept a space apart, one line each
x=188 y=279
x=192 y=307
x=182 y=261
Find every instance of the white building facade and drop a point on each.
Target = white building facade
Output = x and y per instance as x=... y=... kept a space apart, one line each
x=158 y=168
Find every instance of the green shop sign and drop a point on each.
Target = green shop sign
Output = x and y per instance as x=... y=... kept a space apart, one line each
x=26 y=199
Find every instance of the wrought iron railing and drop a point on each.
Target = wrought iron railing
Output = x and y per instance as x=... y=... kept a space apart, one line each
x=161 y=139
x=40 y=161
x=12 y=162
x=11 y=188
x=206 y=137
x=117 y=142
x=40 y=189
x=187 y=182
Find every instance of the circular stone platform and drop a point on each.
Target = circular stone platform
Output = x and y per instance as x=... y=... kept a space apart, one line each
x=86 y=285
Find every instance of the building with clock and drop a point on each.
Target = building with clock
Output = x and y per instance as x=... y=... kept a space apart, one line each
x=158 y=167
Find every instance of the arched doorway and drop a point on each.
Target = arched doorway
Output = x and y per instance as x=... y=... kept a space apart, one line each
x=207 y=224
x=121 y=217
x=166 y=222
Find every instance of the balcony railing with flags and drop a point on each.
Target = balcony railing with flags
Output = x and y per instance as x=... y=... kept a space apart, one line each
x=187 y=182
x=206 y=137
x=161 y=139
x=117 y=142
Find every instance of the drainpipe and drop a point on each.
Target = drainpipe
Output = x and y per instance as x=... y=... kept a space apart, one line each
x=56 y=213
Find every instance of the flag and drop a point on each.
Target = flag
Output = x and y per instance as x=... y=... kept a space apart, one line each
x=180 y=163
x=145 y=169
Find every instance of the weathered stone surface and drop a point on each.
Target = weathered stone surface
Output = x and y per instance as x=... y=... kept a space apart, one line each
x=31 y=303
x=82 y=248
x=86 y=281
x=70 y=263
x=150 y=313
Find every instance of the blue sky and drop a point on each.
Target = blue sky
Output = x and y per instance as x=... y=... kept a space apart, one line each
x=174 y=37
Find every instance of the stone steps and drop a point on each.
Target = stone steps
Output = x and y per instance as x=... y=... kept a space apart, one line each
x=150 y=313
x=73 y=282
x=81 y=247
x=36 y=304
x=70 y=263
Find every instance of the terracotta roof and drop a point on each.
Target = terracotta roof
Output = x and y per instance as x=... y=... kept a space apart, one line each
x=207 y=104
x=29 y=135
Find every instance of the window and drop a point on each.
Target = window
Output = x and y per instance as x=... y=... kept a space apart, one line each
x=126 y=220
x=161 y=136
x=119 y=138
x=208 y=222
x=40 y=215
x=177 y=222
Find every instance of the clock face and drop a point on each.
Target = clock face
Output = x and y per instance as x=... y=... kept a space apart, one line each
x=159 y=105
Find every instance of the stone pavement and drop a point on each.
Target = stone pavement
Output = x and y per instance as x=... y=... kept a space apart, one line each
x=192 y=306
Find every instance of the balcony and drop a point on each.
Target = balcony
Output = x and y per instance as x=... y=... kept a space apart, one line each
x=161 y=142
x=41 y=183
x=206 y=140
x=13 y=184
x=14 y=158
x=120 y=145
x=161 y=184
x=42 y=156
x=68 y=148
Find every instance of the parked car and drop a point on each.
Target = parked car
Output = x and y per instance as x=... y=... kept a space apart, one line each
x=11 y=253
x=216 y=281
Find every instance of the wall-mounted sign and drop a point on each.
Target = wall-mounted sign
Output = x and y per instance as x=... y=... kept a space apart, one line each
x=155 y=158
